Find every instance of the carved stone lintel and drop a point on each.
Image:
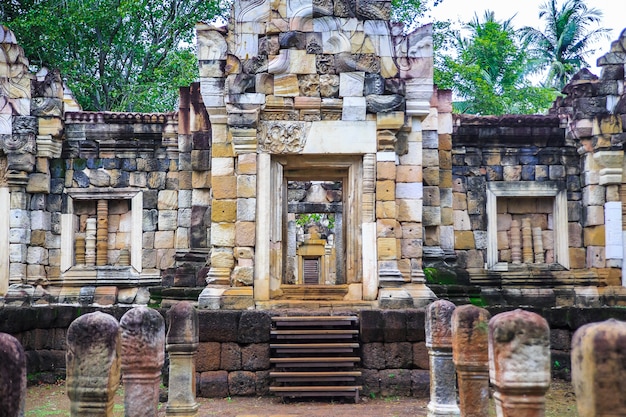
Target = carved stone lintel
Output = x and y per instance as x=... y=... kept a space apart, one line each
x=283 y=137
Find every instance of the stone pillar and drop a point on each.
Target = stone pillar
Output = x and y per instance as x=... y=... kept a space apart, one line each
x=519 y=363
x=599 y=367
x=527 y=242
x=12 y=376
x=93 y=365
x=102 y=233
x=516 y=243
x=538 y=245
x=182 y=343
x=90 y=242
x=470 y=355
x=442 y=372
x=79 y=249
x=143 y=354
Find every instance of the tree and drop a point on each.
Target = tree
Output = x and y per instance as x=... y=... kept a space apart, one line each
x=488 y=70
x=563 y=44
x=410 y=12
x=120 y=55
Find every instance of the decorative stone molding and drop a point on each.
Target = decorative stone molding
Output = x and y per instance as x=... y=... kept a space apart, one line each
x=48 y=147
x=283 y=137
x=610 y=163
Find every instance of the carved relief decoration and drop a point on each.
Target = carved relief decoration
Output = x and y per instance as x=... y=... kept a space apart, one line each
x=3 y=171
x=283 y=137
x=17 y=143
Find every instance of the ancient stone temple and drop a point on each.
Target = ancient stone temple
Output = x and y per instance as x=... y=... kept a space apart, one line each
x=314 y=164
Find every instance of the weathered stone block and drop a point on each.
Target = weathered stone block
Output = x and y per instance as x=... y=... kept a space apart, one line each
x=373 y=355
x=213 y=384
x=255 y=357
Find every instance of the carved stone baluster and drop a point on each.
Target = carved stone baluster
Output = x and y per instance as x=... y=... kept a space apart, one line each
x=102 y=233
x=516 y=242
x=79 y=249
x=527 y=242
x=538 y=245
x=90 y=242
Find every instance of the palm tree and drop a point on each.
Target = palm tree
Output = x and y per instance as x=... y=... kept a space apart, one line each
x=564 y=43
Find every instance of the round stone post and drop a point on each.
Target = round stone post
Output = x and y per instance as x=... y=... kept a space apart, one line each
x=599 y=369
x=470 y=341
x=93 y=365
x=442 y=373
x=143 y=354
x=182 y=343
x=12 y=376
x=519 y=363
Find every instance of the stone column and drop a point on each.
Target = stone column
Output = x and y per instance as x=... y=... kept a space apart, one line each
x=143 y=354
x=538 y=245
x=93 y=365
x=102 y=233
x=442 y=372
x=471 y=358
x=12 y=376
x=516 y=243
x=519 y=363
x=527 y=242
x=599 y=368
x=79 y=249
x=90 y=242
x=182 y=343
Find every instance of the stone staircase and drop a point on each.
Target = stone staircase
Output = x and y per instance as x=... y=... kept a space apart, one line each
x=315 y=356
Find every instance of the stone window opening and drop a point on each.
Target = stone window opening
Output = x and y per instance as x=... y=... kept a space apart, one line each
x=527 y=225
x=118 y=250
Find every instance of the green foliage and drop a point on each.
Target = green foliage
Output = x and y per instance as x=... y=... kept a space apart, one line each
x=120 y=55
x=411 y=12
x=308 y=219
x=488 y=70
x=564 y=42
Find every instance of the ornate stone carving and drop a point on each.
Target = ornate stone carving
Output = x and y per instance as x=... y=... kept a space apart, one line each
x=24 y=124
x=3 y=171
x=329 y=85
x=17 y=143
x=283 y=137
x=325 y=64
x=309 y=85
x=46 y=106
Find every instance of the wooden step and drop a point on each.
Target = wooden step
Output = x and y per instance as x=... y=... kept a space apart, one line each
x=306 y=320
x=314 y=334
x=319 y=362
x=337 y=376
x=318 y=391
x=300 y=348
x=314 y=356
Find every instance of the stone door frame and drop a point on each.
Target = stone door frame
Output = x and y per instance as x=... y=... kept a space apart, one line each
x=272 y=207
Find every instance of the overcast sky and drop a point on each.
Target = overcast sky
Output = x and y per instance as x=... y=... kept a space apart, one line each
x=527 y=14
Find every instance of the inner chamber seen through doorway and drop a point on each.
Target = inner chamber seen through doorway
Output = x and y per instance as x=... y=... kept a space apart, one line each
x=314 y=233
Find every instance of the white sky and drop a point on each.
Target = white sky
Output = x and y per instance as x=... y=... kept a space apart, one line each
x=527 y=14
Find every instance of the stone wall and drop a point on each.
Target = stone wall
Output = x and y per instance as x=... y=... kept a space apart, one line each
x=233 y=355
